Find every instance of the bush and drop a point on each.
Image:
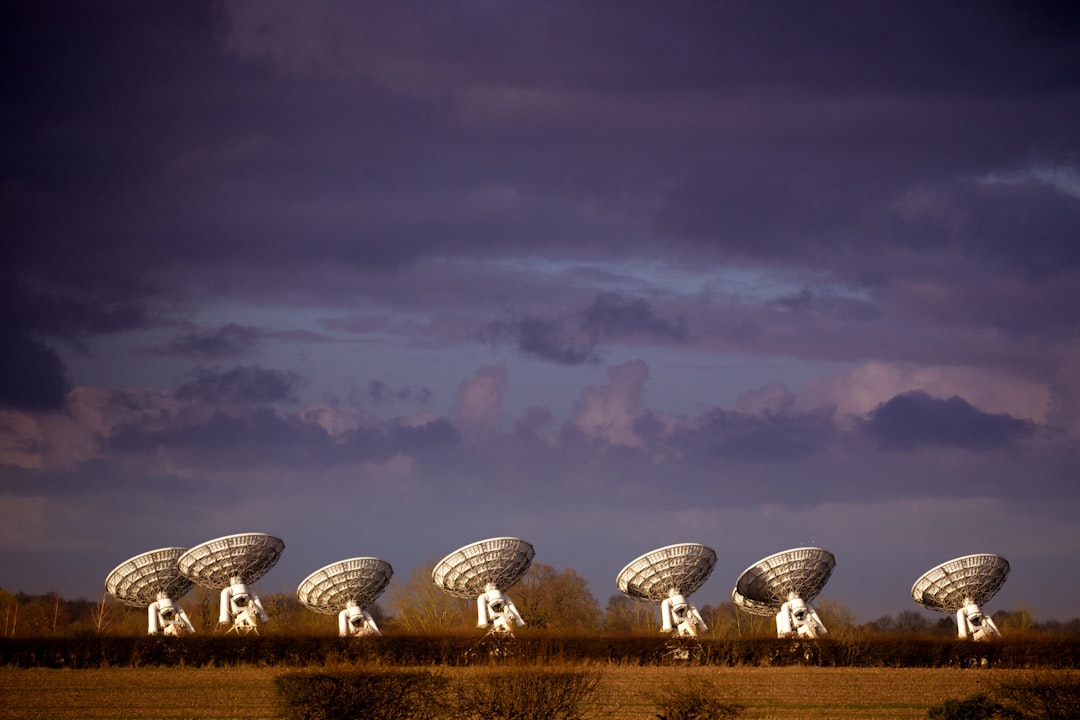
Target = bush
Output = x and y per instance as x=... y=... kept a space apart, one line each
x=525 y=694
x=694 y=698
x=352 y=695
x=1040 y=697
x=976 y=707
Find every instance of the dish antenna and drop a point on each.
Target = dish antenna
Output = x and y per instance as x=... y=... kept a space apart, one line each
x=485 y=570
x=961 y=586
x=151 y=581
x=783 y=585
x=669 y=575
x=345 y=589
x=230 y=564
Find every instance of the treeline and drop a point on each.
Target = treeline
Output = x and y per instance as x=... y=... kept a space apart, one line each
x=547 y=608
x=536 y=647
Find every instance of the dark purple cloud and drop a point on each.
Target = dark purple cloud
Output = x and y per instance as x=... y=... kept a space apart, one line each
x=259 y=438
x=813 y=162
x=546 y=340
x=227 y=341
x=265 y=438
x=579 y=338
x=612 y=315
x=762 y=438
x=916 y=419
x=378 y=392
x=32 y=376
x=249 y=384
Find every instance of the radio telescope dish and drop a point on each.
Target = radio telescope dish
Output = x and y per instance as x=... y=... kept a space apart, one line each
x=484 y=570
x=669 y=575
x=345 y=589
x=683 y=568
x=153 y=581
x=961 y=586
x=783 y=584
x=753 y=607
x=467 y=571
x=217 y=563
x=137 y=582
x=228 y=564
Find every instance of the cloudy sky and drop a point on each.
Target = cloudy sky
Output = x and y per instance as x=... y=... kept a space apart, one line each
x=387 y=278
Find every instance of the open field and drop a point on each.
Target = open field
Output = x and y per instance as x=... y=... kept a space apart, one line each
x=788 y=693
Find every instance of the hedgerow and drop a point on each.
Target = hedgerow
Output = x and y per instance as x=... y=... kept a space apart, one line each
x=406 y=650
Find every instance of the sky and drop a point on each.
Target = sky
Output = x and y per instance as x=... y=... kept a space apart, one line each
x=383 y=279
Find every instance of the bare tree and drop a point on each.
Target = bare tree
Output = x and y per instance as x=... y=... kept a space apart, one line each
x=751 y=625
x=35 y=615
x=421 y=606
x=60 y=613
x=288 y=615
x=724 y=620
x=557 y=600
x=10 y=604
x=837 y=617
x=1017 y=619
x=204 y=608
x=623 y=615
x=911 y=621
x=101 y=616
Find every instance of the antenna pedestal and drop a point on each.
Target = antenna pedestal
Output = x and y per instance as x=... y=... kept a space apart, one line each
x=783 y=585
x=230 y=564
x=152 y=581
x=346 y=588
x=972 y=623
x=961 y=586
x=796 y=619
x=668 y=576
x=484 y=570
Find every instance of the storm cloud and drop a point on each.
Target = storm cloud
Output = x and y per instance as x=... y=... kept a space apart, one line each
x=606 y=277
x=916 y=419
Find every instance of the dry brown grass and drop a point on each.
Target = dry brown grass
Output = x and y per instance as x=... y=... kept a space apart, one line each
x=789 y=693
x=137 y=693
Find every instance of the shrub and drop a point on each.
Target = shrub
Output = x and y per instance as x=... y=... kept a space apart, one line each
x=694 y=698
x=525 y=694
x=352 y=695
x=1040 y=697
x=976 y=707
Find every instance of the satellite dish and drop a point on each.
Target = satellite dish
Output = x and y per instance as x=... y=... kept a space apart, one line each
x=783 y=585
x=345 y=589
x=153 y=581
x=669 y=575
x=961 y=586
x=229 y=564
x=485 y=570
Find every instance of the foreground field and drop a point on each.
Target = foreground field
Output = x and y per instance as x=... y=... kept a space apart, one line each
x=789 y=693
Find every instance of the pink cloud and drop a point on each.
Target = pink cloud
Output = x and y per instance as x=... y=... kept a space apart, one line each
x=479 y=409
x=609 y=412
x=772 y=399
x=64 y=440
x=336 y=420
